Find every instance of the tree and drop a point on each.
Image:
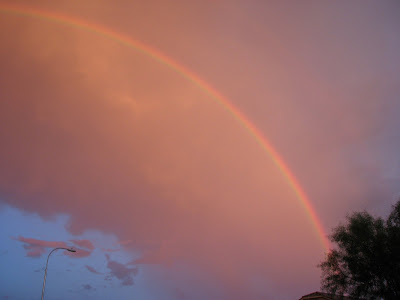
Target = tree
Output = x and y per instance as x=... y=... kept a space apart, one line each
x=366 y=261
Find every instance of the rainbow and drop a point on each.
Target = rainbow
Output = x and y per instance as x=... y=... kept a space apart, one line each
x=192 y=77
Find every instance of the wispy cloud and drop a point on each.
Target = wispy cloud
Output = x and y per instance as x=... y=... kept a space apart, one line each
x=36 y=248
x=121 y=272
x=93 y=270
x=84 y=244
x=80 y=253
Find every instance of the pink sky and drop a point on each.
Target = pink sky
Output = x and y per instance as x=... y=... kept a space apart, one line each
x=125 y=145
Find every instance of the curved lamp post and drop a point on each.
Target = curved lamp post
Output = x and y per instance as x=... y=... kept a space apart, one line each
x=45 y=271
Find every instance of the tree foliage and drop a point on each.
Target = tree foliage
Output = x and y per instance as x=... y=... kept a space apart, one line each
x=366 y=261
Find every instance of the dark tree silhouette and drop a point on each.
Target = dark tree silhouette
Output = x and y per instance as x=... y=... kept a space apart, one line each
x=366 y=261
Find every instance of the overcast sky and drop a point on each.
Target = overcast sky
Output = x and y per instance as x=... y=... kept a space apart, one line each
x=164 y=193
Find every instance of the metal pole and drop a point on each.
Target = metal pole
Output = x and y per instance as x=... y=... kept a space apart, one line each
x=45 y=271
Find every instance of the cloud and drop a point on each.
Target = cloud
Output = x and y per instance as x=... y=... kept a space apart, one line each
x=34 y=251
x=80 y=253
x=126 y=145
x=36 y=248
x=158 y=256
x=93 y=270
x=110 y=250
x=41 y=243
x=121 y=272
x=84 y=243
x=125 y=242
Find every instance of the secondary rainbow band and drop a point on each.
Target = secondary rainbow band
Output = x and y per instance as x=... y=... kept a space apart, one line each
x=160 y=57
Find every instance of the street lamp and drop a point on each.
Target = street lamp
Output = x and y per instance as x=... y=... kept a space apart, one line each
x=45 y=271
